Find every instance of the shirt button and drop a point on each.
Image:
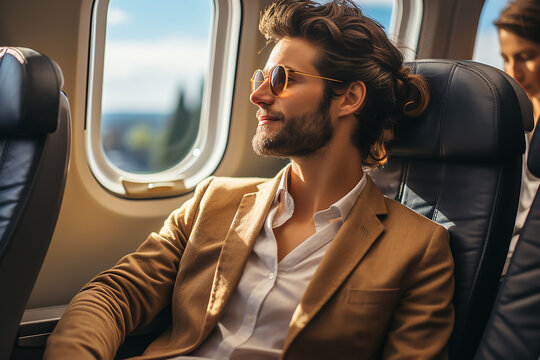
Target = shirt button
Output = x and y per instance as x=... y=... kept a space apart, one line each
x=271 y=276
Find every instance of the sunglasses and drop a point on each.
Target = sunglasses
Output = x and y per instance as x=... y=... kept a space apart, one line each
x=279 y=77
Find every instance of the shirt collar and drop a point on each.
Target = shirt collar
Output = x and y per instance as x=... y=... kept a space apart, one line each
x=282 y=188
x=343 y=206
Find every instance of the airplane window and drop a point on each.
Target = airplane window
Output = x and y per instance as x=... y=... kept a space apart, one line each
x=158 y=104
x=401 y=20
x=155 y=65
x=486 y=47
x=380 y=10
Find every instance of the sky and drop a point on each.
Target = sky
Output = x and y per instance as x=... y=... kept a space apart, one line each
x=487 y=48
x=154 y=48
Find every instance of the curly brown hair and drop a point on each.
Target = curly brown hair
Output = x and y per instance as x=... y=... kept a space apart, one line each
x=353 y=47
x=521 y=17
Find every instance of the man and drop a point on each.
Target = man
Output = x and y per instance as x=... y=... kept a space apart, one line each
x=313 y=264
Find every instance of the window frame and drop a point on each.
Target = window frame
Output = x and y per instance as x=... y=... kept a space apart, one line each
x=405 y=26
x=212 y=136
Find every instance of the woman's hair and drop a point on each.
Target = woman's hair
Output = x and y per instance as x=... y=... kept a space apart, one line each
x=353 y=47
x=521 y=17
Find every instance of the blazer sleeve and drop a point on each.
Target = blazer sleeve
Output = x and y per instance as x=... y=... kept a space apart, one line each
x=127 y=296
x=424 y=319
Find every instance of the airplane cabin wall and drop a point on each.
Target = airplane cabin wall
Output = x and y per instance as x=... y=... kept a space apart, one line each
x=449 y=29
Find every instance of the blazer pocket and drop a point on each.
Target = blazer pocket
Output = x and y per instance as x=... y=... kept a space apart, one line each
x=372 y=297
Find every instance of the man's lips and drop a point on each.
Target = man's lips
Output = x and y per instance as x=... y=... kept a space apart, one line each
x=266 y=119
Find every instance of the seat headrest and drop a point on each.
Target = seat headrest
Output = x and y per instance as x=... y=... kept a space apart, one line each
x=533 y=159
x=476 y=113
x=30 y=85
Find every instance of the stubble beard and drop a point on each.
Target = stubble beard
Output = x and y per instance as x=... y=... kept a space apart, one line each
x=298 y=136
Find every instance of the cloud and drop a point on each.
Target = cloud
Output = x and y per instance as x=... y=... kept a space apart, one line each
x=146 y=76
x=117 y=16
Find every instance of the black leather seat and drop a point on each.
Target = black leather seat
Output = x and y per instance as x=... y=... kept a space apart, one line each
x=459 y=164
x=34 y=150
x=513 y=330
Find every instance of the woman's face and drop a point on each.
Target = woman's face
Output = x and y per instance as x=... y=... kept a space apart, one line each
x=521 y=61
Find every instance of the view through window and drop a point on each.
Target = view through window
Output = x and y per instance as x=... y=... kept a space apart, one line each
x=486 y=47
x=380 y=10
x=157 y=57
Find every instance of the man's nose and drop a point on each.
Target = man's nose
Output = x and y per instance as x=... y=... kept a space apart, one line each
x=262 y=96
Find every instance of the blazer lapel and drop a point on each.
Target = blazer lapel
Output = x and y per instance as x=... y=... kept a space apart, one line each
x=360 y=230
x=237 y=246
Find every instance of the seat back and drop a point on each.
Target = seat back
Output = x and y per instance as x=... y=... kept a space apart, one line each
x=34 y=150
x=459 y=164
x=513 y=329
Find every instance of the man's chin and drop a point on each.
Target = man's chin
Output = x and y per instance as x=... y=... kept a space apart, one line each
x=264 y=146
x=260 y=149
x=268 y=128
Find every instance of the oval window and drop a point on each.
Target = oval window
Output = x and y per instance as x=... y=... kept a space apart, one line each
x=151 y=96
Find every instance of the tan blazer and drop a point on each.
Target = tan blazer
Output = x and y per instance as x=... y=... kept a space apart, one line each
x=383 y=289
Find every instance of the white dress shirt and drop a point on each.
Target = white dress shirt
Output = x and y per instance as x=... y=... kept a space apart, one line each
x=256 y=318
x=529 y=186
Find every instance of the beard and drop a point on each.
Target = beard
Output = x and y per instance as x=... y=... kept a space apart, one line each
x=299 y=136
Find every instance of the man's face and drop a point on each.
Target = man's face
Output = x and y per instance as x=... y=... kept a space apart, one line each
x=297 y=122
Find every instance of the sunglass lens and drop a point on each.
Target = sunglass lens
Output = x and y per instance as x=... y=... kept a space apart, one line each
x=278 y=80
x=258 y=79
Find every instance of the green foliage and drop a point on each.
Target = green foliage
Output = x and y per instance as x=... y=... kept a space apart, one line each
x=180 y=133
x=140 y=137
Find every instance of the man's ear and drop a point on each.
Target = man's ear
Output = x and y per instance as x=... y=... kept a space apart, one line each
x=352 y=99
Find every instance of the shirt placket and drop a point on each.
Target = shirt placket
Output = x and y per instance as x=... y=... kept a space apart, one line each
x=267 y=252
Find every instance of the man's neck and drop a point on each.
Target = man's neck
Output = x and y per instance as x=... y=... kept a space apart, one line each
x=318 y=181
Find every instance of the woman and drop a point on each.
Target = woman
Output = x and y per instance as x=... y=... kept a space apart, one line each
x=519 y=36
